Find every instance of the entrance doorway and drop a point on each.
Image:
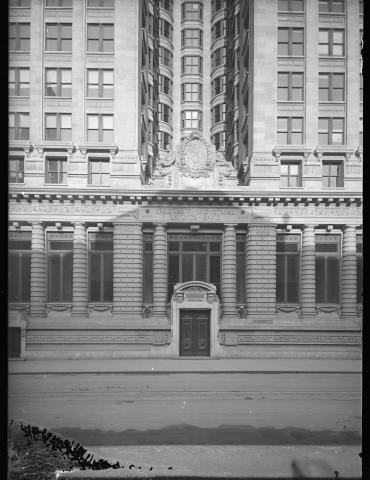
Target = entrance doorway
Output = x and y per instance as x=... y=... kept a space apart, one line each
x=194 y=333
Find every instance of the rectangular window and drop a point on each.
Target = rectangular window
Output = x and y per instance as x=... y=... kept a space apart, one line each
x=218 y=113
x=20 y=3
x=290 y=86
x=58 y=37
x=191 y=11
x=191 y=92
x=59 y=3
x=16 y=169
x=217 y=5
x=165 y=113
x=165 y=85
x=332 y=6
x=218 y=57
x=331 y=131
x=290 y=41
x=19 y=82
x=56 y=170
x=219 y=85
x=290 y=130
x=291 y=5
x=332 y=174
x=58 y=82
x=19 y=126
x=191 y=64
x=194 y=258
x=191 y=119
x=99 y=171
x=331 y=42
x=19 y=266
x=192 y=37
x=100 y=37
x=287 y=268
x=100 y=3
x=218 y=140
x=290 y=174
x=60 y=266
x=166 y=5
x=219 y=29
x=331 y=87
x=164 y=140
x=359 y=269
x=58 y=126
x=101 y=267
x=19 y=37
x=165 y=29
x=165 y=57
x=148 y=269
x=327 y=253
x=100 y=128
x=361 y=88
x=100 y=83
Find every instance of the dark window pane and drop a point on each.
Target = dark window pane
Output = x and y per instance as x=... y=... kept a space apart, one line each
x=108 y=277
x=320 y=279
x=187 y=268
x=292 y=279
x=61 y=245
x=173 y=273
x=26 y=277
x=13 y=278
x=173 y=246
x=94 y=277
x=359 y=279
x=280 y=282
x=333 y=279
x=67 y=276
x=240 y=278
x=194 y=246
x=326 y=247
x=148 y=278
x=201 y=274
x=54 y=278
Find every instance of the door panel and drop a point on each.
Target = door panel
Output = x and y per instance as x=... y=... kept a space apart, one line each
x=194 y=333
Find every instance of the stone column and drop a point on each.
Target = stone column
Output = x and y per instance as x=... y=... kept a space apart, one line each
x=160 y=270
x=308 y=273
x=80 y=276
x=38 y=271
x=349 y=274
x=229 y=271
x=127 y=269
x=261 y=271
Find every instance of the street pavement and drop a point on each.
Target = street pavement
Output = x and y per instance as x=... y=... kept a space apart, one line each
x=200 y=420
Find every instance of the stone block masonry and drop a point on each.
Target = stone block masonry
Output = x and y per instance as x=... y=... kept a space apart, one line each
x=127 y=268
x=261 y=270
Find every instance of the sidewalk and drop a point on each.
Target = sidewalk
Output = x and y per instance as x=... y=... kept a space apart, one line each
x=231 y=461
x=183 y=365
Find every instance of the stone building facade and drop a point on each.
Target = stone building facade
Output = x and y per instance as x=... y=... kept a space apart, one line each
x=185 y=178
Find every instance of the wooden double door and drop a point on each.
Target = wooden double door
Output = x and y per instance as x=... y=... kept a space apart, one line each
x=194 y=332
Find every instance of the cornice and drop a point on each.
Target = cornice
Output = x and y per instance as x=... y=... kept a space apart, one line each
x=145 y=197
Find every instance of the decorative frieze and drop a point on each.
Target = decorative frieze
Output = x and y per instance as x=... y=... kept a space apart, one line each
x=284 y=339
x=155 y=339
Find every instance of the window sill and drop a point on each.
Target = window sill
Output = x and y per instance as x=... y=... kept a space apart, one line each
x=16 y=183
x=55 y=184
x=56 y=96
x=291 y=56
x=19 y=96
x=331 y=57
x=100 y=53
x=285 y=12
x=291 y=188
x=96 y=98
x=59 y=51
x=19 y=51
x=336 y=14
x=93 y=185
x=291 y=102
x=335 y=102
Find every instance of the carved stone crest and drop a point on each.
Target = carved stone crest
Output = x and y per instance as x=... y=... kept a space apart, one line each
x=195 y=161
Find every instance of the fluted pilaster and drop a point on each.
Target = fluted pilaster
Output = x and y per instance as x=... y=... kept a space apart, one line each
x=349 y=274
x=229 y=271
x=159 y=270
x=80 y=277
x=308 y=280
x=127 y=268
x=38 y=271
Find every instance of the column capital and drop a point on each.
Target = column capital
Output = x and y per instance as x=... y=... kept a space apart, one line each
x=79 y=224
x=160 y=224
x=230 y=225
x=37 y=223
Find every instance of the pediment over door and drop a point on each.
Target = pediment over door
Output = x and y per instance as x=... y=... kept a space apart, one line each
x=195 y=291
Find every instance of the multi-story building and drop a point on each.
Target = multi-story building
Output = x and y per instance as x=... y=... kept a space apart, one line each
x=185 y=178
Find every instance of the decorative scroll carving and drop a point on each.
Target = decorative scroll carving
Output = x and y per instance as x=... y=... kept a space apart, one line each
x=147 y=311
x=165 y=161
x=332 y=309
x=224 y=167
x=287 y=309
